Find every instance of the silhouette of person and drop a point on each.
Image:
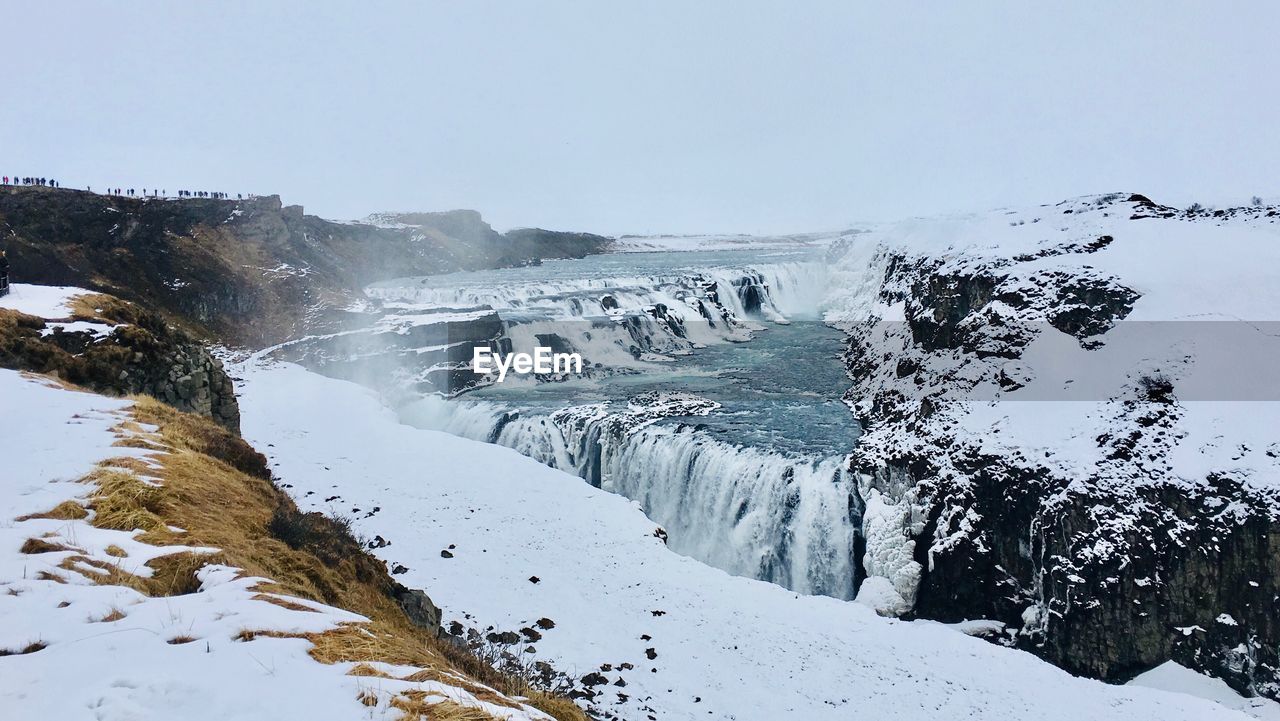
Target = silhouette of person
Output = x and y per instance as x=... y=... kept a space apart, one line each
x=4 y=273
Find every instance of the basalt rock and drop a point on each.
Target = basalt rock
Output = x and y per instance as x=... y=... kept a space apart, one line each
x=129 y=351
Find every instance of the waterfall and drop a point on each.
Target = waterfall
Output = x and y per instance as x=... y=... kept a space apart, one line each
x=772 y=291
x=789 y=518
x=750 y=512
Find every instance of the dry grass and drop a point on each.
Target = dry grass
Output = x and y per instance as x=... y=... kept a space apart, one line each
x=414 y=706
x=179 y=640
x=219 y=491
x=124 y=502
x=115 y=551
x=39 y=545
x=29 y=648
x=557 y=707
x=65 y=511
x=283 y=603
x=364 y=669
x=115 y=614
x=101 y=307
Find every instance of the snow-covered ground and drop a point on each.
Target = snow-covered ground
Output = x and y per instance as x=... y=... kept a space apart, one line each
x=1169 y=676
x=501 y=541
x=71 y=648
x=42 y=301
x=129 y=668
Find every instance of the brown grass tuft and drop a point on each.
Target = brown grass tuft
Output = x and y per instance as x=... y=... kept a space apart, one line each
x=29 y=648
x=65 y=511
x=37 y=545
x=114 y=615
x=123 y=502
x=283 y=603
x=415 y=706
x=173 y=575
x=179 y=640
x=116 y=551
x=364 y=669
x=128 y=463
x=557 y=707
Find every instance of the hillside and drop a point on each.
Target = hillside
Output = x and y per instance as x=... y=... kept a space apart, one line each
x=155 y=539
x=249 y=272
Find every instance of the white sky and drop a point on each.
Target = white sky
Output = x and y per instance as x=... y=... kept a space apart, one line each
x=648 y=116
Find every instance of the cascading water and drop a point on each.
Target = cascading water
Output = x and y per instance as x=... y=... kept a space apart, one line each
x=789 y=519
x=744 y=466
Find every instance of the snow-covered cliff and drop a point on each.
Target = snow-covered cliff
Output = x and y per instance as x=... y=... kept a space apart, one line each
x=1072 y=428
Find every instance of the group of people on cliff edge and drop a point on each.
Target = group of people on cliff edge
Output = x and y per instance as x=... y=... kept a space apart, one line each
x=127 y=192
x=28 y=180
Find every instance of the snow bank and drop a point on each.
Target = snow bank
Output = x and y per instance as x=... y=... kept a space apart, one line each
x=1169 y=676
x=72 y=649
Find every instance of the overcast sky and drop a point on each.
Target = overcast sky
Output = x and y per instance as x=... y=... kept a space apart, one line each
x=648 y=116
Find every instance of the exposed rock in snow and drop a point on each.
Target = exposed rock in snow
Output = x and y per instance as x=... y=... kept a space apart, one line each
x=112 y=347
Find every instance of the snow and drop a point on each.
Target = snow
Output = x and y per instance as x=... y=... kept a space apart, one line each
x=42 y=301
x=722 y=647
x=97 y=330
x=1170 y=676
x=127 y=669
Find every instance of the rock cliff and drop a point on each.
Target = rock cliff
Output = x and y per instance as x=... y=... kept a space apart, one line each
x=253 y=271
x=118 y=348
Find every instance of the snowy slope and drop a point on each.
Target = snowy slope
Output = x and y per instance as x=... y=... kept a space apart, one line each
x=126 y=669
x=74 y=649
x=1169 y=676
x=501 y=541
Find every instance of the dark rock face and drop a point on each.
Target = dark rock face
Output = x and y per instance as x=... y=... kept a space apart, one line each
x=141 y=354
x=1178 y=578
x=251 y=271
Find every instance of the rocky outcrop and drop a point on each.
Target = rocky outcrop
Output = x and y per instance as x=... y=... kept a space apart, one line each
x=252 y=271
x=1106 y=564
x=117 y=348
